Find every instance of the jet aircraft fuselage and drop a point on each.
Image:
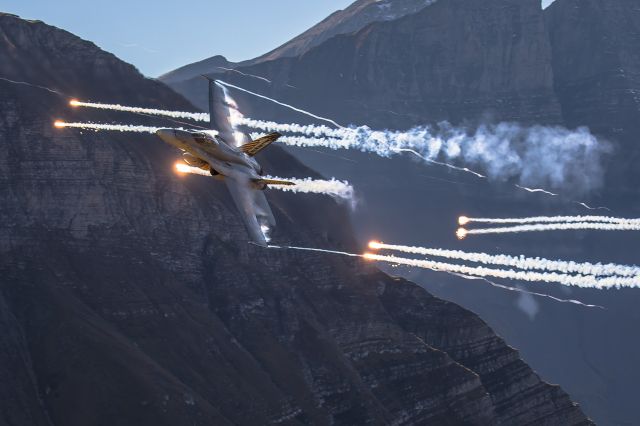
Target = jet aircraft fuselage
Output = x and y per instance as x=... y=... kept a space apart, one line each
x=209 y=152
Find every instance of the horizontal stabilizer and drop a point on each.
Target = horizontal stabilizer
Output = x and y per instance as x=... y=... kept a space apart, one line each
x=274 y=182
x=254 y=147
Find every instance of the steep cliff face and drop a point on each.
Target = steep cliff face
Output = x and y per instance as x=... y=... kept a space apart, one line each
x=355 y=17
x=578 y=67
x=456 y=60
x=129 y=295
x=596 y=62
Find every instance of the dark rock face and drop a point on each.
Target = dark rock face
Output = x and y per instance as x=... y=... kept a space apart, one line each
x=355 y=17
x=596 y=62
x=214 y=64
x=456 y=60
x=128 y=295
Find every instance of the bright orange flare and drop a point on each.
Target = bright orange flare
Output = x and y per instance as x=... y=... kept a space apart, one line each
x=463 y=220
x=461 y=233
x=59 y=124
x=375 y=245
x=74 y=102
x=369 y=256
x=182 y=168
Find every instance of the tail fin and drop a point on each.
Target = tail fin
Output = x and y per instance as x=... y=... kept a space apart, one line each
x=212 y=83
x=254 y=147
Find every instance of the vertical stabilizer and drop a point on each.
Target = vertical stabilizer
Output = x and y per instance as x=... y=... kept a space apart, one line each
x=224 y=114
x=212 y=88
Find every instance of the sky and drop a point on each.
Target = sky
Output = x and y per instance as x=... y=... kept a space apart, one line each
x=161 y=35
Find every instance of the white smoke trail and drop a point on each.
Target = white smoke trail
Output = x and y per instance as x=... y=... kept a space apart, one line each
x=197 y=116
x=543 y=156
x=280 y=103
x=245 y=74
x=537 y=155
x=551 y=227
x=463 y=220
x=24 y=83
x=481 y=272
x=308 y=142
x=311 y=130
x=112 y=127
x=334 y=188
x=520 y=262
x=588 y=207
x=584 y=281
x=451 y=166
x=534 y=190
x=519 y=290
x=468 y=277
x=342 y=253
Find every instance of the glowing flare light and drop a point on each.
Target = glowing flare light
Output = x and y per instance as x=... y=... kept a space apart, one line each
x=519 y=262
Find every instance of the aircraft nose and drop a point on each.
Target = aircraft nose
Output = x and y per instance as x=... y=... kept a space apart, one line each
x=166 y=134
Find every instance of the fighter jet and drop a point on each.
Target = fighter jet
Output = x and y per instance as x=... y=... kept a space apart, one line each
x=228 y=154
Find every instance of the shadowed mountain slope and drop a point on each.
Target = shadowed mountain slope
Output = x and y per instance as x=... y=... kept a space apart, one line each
x=129 y=295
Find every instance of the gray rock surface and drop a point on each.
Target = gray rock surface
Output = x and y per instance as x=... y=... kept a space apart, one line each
x=575 y=64
x=129 y=296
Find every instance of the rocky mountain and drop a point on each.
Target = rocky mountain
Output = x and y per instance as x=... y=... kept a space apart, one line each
x=214 y=64
x=129 y=296
x=596 y=65
x=353 y=18
x=456 y=60
x=573 y=64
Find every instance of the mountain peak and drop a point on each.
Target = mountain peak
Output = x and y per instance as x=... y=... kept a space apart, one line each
x=351 y=19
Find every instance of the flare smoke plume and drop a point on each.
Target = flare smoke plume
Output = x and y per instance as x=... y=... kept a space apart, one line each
x=463 y=220
x=552 y=157
x=585 y=281
x=520 y=262
x=552 y=227
x=340 y=190
x=468 y=277
x=197 y=116
x=548 y=156
x=112 y=127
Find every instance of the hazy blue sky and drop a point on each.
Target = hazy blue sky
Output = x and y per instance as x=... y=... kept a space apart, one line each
x=158 y=36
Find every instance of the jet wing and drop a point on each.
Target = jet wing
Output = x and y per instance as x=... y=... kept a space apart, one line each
x=253 y=207
x=224 y=115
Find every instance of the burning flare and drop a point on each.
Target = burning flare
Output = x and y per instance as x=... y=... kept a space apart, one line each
x=579 y=226
x=461 y=233
x=585 y=281
x=341 y=190
x=112 y=127
x=184 y=168
x=519 y=262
